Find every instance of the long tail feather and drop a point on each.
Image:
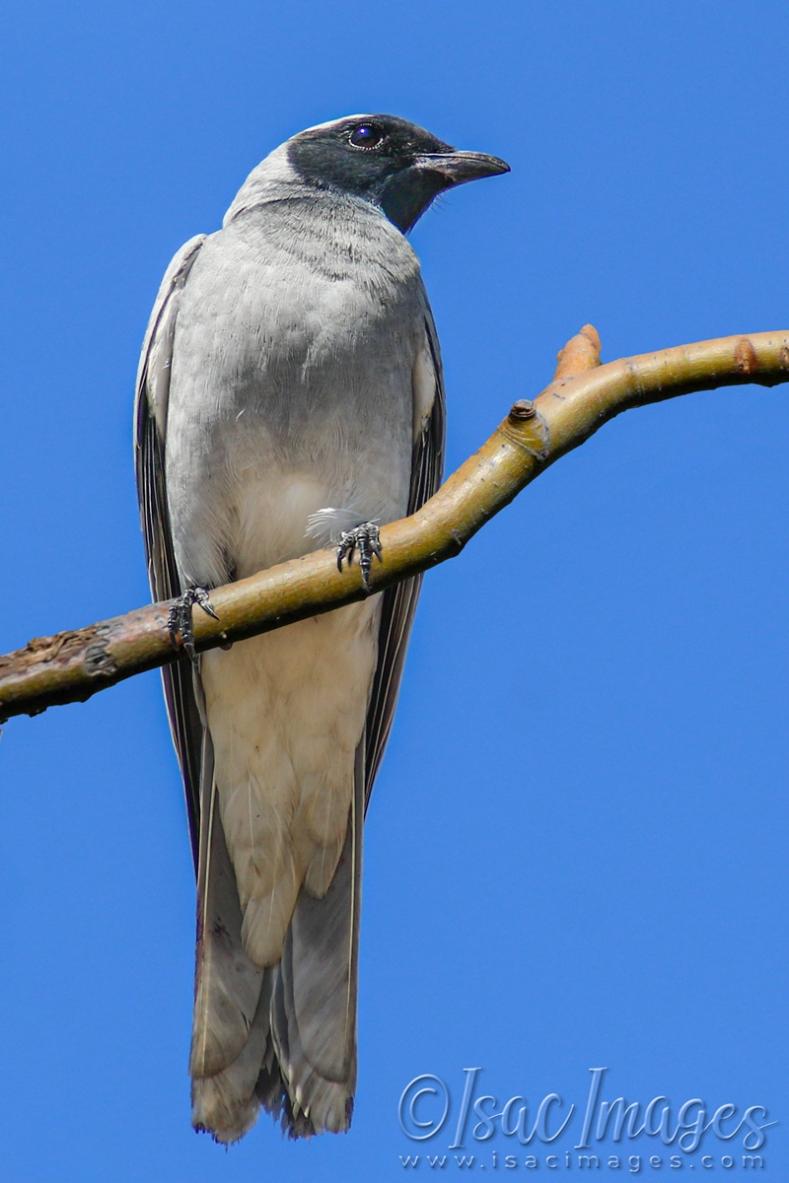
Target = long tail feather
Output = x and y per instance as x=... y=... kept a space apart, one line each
x=282 y=1037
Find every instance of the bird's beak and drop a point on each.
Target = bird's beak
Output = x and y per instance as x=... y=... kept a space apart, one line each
x=458 y=167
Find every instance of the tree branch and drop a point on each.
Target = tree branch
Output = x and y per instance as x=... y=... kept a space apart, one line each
x=583 y=395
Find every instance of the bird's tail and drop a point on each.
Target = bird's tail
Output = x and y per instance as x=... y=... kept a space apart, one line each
x=281 y=1037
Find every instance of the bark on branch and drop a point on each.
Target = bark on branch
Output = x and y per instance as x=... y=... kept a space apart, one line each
x=72 y=666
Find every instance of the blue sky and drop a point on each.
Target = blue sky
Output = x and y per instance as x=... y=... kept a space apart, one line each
x=575 y=854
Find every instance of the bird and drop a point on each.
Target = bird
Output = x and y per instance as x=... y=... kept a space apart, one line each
x=290 y=397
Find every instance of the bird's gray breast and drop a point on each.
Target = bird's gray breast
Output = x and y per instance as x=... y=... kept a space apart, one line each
x=292 y=383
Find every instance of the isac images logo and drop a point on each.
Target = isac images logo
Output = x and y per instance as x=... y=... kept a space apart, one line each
x=471 y=1128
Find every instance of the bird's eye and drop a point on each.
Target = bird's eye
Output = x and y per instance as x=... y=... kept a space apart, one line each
x=366 y=135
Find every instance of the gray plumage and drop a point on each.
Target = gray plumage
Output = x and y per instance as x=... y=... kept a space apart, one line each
x=290 y=388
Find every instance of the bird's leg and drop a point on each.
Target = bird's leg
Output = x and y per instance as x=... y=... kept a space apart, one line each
x=367 y=540
x=179 y=619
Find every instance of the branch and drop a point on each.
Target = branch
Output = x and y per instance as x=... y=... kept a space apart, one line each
x=583 y=395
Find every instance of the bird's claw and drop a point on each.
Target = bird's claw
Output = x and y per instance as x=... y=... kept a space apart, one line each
x=179 y=618
x=367 y=540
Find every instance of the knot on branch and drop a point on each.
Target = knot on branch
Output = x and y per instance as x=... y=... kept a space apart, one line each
x=745 y=358
x=524 y=408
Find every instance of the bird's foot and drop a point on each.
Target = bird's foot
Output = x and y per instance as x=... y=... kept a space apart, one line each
x=179 y=619
x=365 y=539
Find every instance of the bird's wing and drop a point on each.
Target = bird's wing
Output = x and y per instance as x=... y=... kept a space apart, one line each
x=230 y=990
x=399 y=602
x=150 y=420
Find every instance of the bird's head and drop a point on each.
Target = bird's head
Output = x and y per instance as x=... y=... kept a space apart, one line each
x=387 y=161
